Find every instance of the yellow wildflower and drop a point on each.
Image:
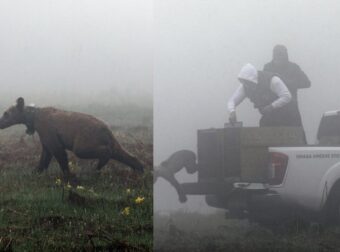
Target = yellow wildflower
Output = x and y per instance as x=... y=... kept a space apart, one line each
x=68 y=186
x=73 y=166
x=128 y=191
x=139 y=200
x=58 y=182
x=80 y=188
x=93 y=192
x=126 y=211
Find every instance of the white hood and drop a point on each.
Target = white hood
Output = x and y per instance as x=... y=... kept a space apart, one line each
x=248 y=72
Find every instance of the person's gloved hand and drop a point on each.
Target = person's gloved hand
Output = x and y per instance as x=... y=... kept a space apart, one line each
x=266 y=110
x=232 y=117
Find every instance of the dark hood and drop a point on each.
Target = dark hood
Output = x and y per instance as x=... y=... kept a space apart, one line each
x=280 y=54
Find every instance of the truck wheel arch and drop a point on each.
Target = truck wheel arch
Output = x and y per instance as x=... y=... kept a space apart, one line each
x=329 y=184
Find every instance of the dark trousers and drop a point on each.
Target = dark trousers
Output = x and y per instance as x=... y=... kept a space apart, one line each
x=283 y=117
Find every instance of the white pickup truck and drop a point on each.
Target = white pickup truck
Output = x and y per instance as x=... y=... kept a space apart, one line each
x=304 y=178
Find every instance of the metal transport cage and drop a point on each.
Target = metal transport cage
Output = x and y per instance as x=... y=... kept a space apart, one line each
x=237 y=154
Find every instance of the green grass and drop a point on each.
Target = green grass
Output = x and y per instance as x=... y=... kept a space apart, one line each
x=39 y=214
x=197 y=232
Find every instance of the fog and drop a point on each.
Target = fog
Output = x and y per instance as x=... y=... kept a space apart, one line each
x=200 y=47
x=76 y=52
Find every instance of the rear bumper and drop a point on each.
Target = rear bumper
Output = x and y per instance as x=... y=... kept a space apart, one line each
x=245 y=202
x=255 y=201
x=221 y=186
x=230 y=192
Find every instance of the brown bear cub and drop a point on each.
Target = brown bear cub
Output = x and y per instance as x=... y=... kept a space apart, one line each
x=84 y=135
x=176 y=162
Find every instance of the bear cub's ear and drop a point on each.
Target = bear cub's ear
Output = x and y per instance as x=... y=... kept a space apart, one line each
x=20 y=104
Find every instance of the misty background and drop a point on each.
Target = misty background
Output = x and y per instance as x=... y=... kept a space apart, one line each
x=76 y=53
x=200 y=47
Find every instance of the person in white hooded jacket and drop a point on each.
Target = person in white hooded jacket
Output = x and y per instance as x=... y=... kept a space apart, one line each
x=268 y=93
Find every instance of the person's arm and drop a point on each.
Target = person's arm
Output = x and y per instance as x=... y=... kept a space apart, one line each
x=304 y=81
x=301 y=80
x=237 y=97
x=281 y=90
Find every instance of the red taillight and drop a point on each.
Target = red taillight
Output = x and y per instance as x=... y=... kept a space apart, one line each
x=277 y=168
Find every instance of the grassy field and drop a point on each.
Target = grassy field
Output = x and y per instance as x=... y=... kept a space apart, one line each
x=182 y=231
x=110 y=211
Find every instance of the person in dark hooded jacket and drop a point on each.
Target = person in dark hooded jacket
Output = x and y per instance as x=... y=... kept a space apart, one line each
x=291 y=74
